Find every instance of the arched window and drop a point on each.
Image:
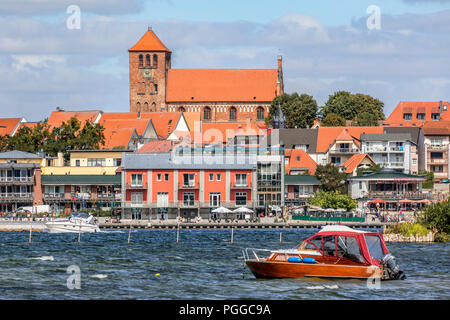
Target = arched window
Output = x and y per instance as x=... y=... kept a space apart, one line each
x=207 y=113
x=147 y=60
x=233 y=113
x=260 y=114
x=153 y=109
x=181 y=109
x=156 y=88
x=155 y=60
x=145 y=106
x=138 y=107
x=141 y=61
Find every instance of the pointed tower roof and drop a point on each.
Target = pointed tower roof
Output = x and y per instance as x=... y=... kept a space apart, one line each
x=149 y=42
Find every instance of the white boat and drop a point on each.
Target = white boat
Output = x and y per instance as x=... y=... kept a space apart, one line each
x=79 y=222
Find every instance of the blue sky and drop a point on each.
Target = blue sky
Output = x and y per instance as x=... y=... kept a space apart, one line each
x=326 y=47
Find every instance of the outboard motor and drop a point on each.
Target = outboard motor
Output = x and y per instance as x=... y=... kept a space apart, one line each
x=390 y=265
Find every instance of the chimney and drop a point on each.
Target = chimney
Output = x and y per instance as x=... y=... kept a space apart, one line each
x=440 y=107
x=280 y=62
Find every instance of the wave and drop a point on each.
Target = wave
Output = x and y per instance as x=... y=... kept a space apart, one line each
x=99 y=276
x=45 y=258
x=322 y=287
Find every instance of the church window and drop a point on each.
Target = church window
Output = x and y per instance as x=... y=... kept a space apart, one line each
x=181 y=109
x=146 y=106
x=260 y=114
x=233 y=114
x=138 y=107
x=153 y=109
x=141 y=61
x=207 y=113
x=156 y=88
x=147 y=60
x=155 y=60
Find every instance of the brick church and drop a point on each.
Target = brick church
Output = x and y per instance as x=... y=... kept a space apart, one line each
x=215 y=95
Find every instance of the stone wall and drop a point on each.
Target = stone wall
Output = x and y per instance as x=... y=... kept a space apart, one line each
x=393 y=237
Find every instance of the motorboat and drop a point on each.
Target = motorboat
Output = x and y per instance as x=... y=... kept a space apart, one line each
x=78 y=222
x=336 y=251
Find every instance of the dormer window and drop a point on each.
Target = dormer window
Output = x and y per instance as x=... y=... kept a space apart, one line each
x=421 y=116
x=407 y=116
x=435 y=116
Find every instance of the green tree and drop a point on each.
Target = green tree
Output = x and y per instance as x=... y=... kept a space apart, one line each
x=333 y=200
x=4 y=142
x=30 y=139
x=349 y=106
x=430 y=179
x=300 y=110
x=333 y=120
x=366 y=119
x=331 y=177
x=437 y=218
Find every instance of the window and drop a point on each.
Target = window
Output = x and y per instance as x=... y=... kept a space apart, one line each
x=147 y=60
x=188 y=198
x=314 y=244
x=260 y=114
x=241 y=198
x=348 y=247
x=375 y=247
x=435 y=116
x=155 y=60
x=407 y=116
x=77 y=163
x=96 y=162
x=421 y=116
x=241 y=179
x=414 y=161
x=166 y=177
x=117 y=162
x=437 y=168
x=138 y=107
x=286 y=161
x=137 y=198
x=181 y=109
x=329 y=246
x=158 y=177
x=233 y=113
x=141 y=61
x=207 y=113
x=211 y=177
x=218 y=177
x=145 y=106
x=214 y=199
x=188 y=179
x=360 y=185
x=136 y=180
x=336 y=160
x=298 y=158
x=436 y=155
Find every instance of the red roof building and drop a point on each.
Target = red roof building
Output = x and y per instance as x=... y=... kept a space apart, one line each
x=409 y=113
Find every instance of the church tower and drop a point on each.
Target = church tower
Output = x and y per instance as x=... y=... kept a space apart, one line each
x=149 y=63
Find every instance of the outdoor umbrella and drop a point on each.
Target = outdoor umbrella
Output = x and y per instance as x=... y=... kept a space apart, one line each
x=222 y=210
x=243 y=210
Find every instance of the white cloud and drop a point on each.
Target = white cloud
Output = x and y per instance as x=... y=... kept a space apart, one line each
x=21 y=62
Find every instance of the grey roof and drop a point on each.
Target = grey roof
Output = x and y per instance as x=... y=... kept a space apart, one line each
x=292 y=137
x=389 y=175
x=197 y=161
x=11 y=165
x=386 y=137
x=16 y=154
x=301 y=179
x=415 y=132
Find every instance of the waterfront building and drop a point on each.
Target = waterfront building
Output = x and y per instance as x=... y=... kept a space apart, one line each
x=90 y=181
x=216 y=95
x=357 y=161
x=299 y=188
x=437 y=143
x=389 y=185
x=20 y=179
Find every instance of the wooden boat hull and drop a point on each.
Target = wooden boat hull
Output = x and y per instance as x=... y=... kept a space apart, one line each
x=275 y=269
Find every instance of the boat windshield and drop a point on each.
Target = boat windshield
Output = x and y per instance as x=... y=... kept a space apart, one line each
x=80 y=215
x=375 y=247
x=348 y=247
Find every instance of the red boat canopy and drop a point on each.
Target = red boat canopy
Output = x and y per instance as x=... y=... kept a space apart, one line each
x=371 y=244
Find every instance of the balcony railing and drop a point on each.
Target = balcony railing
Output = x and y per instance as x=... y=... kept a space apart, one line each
x=16 y=195
x=398 y=195
x=190 y=185
x=440 y=161
x=136 y=186
x=16 y=179
x=245 y=185
x=344 y=150
x=440 y=147
x=54 y=195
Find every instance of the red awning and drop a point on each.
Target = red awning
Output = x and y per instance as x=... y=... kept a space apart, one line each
x=406 y=201
x=377 y=200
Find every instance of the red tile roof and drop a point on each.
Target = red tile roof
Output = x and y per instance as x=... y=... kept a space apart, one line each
x=351 y=164
x=149 y=42
x=328 y=135
x=139 y=124
x=156 y=146
x=299 y=159
x=225 y=85
x=164 y=122
x=415 y=107
x=441 y=127
x=221 y=131
x=118 y=115
x=7 y=125
x=58 y=117
x=115 y=137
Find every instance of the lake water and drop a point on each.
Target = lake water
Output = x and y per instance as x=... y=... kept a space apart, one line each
x=203 y=265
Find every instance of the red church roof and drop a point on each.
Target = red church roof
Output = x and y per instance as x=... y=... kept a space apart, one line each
x=149 y=42
x=224 y=85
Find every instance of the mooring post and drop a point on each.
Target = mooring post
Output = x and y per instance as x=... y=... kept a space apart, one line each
x=281 y=237
x=178 y=232
x=79 y=234
x=31 y=227
x=129 y=234
x=232 y=231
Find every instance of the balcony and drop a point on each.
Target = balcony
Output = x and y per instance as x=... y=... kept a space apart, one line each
x=398 y=195
x=16 y=180
x=437 y=147
x=50 y=196
x=136 y=186
x=344 y=150
x=188 y=185
x=189 y=204
x=438 y=161
x=244 y=185
x=16 y=196
x=109 y=196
